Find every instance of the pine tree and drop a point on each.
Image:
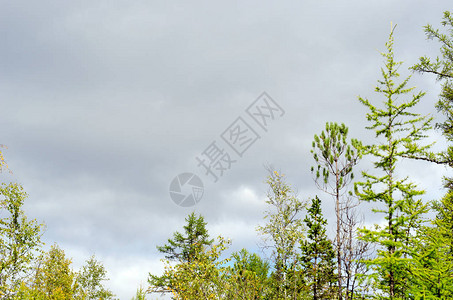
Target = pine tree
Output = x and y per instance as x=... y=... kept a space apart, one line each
x=317 y=255
x=335 y=159
x=398 y=132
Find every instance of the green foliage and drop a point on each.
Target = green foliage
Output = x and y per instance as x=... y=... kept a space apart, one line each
x=443 y=69
x=202 y=277
x=20 y=239
x=432 y=266
x=317 y=255
x=183 y=248
x=249 y=274
x=90 y=280
x=335 y=159
x=398 y=131
x=53 y=278
x=140 y=294
x=283 y=232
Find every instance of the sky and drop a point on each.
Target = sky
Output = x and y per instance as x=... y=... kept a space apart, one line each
x=104 y=103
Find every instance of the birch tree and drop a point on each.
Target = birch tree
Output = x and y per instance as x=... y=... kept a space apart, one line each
x=283 y=233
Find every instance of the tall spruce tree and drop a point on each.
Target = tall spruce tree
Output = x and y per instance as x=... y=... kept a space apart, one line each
x=318 y=255
x=398 y=132
x=183 y=248
x=335 y=158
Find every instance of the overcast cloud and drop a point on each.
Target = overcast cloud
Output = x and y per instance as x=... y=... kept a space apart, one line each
x=103 y=103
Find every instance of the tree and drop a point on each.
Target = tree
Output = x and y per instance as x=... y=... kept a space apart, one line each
x=202 y=277
x=432 y=266
x=442 y=68
x=90 y=280
x=249 y=275
x=53 y=278
x=183 y=248
x=353 y=250
x=318 y=255
x=283 y=232
x=20 y=239
x=335 y=159
x=140 y=294
x=398 y=133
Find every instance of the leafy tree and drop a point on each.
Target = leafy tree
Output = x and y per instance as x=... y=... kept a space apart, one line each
x=318 y=255
x=249 y=275
x=53 y=279
x=283 y=232
x=335 y=159
x=398 y=132
x=207 y=276
x=203 y=277
x=90 y=280
x=183 y=248
x=20 y=239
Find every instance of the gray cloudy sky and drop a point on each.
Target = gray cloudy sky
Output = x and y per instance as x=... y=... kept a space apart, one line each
x=103 y=103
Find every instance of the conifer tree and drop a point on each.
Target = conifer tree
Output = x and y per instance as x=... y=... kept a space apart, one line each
x=183 y=248
x=203 y=277
x=398 y=132
x=335 y=159
x=317 y=255
x=442 y=68
x=432 y=266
